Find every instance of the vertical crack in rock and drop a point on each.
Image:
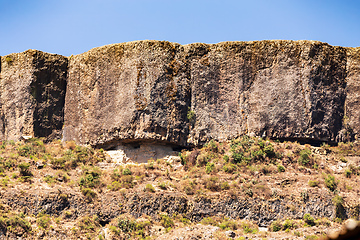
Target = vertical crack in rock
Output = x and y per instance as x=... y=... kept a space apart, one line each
x=48 y=90
x=183 y=95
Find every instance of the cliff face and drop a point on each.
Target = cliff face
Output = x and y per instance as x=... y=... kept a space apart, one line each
x=127 y=92
x=185 y=94
x=32 y=95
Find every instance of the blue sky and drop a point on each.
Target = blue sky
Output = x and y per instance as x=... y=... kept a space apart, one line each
x=74 y=26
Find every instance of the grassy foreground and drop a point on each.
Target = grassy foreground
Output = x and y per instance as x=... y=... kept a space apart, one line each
x=241 y=168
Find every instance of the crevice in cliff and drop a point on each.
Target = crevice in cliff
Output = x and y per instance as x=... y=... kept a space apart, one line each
x=48 y=89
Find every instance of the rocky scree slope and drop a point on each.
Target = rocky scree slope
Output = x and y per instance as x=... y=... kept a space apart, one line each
x=183 y=94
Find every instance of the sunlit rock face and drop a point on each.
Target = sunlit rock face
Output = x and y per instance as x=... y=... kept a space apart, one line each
x=183 y=95
x=189 y=94
x=32 y=95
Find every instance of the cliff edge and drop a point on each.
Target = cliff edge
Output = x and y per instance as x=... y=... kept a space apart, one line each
x=183 y=95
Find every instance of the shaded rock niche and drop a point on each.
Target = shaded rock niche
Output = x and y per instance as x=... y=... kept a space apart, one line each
x=183 y=95
x=142 y=152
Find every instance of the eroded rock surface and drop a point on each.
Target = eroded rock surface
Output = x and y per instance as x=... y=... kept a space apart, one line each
x=32 y=95
x=185 y=95
x=110 y=205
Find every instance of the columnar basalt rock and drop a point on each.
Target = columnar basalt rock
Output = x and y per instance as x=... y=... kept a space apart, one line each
x=32 y=95
x=352 y=103
x=185 y=95
x=279 y=89
x=127 y=91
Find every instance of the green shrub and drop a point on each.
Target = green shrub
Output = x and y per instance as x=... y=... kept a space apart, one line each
x=281 y=168
x=330 y=182
x=238 y=157
x=309 y=220
x=339 y=207
x=16 y=224
x=247 y=150
x=312 y=237
x=133 y=229
x=43 y=220
x=88 y=193
x=203 y=158
x=8 y=59
x=162 y=185
x=126 y=225
x=127 y=171
x=288 y=224
x=24 y=169
x=229 y=168
x=182 y=159
x=84 y=155
x=248 y=229
x=258 y=155
x=209 y=221
x=212 y=183
x=90 y=178
x=323 y=221
x=26 y=150
x=348 y=173
x=269 y=151
x=304 y=158
x=127 y=181
x=150 y=164
x=49 y=179
x=338 y=200
x=313 y=183
x=114 y=186
x=5 y=181
x=73 y=158
x=210 y=167
x=225 y=186
x=149 y=188
x=211 y=146
x=166 y=221
x=228 y=225
x=88 y=223
x=190 y=114
x=275 y=226
x=77 y=155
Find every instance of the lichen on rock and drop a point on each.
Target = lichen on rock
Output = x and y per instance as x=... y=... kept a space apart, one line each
x=143 y=90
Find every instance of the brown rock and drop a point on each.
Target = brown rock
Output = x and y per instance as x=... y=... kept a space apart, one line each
x=142 y=91
x=129 y=91
x=32 y=95
x=185 y=94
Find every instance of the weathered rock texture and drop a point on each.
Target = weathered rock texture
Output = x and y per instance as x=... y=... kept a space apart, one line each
x=187 y=94
x=32 y=95
x=111 y=205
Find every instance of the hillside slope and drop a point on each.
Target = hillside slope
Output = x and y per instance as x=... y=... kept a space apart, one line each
x=247 y=187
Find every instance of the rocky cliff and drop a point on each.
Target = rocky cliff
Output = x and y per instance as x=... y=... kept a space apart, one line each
x=32 y=95
x=184 y=94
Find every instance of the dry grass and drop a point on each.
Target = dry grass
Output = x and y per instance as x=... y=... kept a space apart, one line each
x=243 y=167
